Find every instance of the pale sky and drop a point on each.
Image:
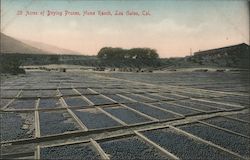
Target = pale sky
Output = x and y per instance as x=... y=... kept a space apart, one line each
x=173 y=27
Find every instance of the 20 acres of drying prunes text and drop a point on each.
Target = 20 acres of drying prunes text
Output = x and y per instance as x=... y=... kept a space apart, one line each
x=53 y=13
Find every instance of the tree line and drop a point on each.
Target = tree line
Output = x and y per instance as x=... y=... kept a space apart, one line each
x=135 y=57
x=11 y=63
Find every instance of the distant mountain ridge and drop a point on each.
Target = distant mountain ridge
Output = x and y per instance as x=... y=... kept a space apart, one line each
x=13 y=45
x=50 y=48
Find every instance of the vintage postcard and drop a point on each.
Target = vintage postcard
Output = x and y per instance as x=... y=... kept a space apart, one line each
x=124 y=79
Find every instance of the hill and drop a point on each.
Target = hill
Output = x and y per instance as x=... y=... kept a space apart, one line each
x=12 y=45
x=228 y=56
x=50 y=48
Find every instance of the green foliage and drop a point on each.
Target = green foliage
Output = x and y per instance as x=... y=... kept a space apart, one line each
x=10 y=64
x=44 y=59
x=54 y=59
x=136 y=57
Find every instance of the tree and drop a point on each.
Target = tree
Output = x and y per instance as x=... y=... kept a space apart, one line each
x=135 y=57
